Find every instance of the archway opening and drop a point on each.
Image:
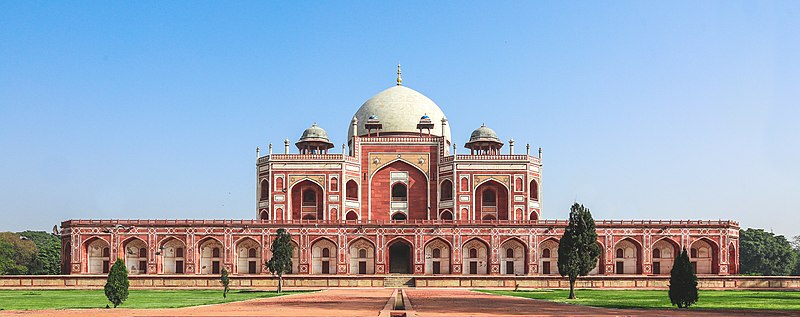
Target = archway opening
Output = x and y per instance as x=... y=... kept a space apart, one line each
x=351 y=215
x=400 y=258
x=399 y=216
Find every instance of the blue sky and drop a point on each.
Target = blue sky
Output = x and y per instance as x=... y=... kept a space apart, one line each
x=645 y=110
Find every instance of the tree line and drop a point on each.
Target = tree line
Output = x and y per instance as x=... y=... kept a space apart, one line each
x=30 y=253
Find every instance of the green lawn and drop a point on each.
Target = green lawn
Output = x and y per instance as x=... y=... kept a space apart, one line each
x=708 y=299
x=61 y=299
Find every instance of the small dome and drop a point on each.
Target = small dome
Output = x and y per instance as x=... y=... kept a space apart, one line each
x=314 y=133
x=483 y=133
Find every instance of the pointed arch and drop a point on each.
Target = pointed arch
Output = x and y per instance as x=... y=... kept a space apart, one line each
x=211 y=254
x=307 y=199
x=248 y=256
x=136 y=253
x=97 y=255
x=628 y=256
x=513 y=256
x=173 y=252
x=548 y=256
x=362 y=256
x=475 y=256
x=446 y=190
x=492 y=200
x=324 y=255
x=264 y=190
x=400 y=255
x=704 y=255
x=438 y=254
x=446 y=215
x=351 y=190
x=663 y=253
x=351 y=215
x=533 y=190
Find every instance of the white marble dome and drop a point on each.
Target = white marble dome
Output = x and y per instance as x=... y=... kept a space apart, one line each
x=399 y=109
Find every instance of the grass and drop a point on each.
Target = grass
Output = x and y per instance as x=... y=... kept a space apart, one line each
x=64 y=299
x=708 y=299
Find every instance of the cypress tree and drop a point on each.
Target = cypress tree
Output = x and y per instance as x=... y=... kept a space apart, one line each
x=226 y=282
x=682 y=282
x=116 y=287
x=578 y=250
x=281 y=261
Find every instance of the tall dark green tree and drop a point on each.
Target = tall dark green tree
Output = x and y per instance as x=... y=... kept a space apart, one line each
x=764 y=253
x=682 y=282
x=281 y=261
x=578 y=250
x=116 y=287
x=226 y=282
x=796 y=245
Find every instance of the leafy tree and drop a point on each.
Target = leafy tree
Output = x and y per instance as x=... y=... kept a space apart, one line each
x=116 y=287
x=764 y=253
x=16 y=254
x=47 y=260
x=226 y=282
x=578 y=250
x=682 y=282
x=281 y=261
x=796 y=244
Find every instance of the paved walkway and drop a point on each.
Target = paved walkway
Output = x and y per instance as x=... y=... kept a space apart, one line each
x=370 y=302
x=332 y=302
x=461 y=302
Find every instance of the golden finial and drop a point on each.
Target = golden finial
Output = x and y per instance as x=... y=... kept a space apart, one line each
x=399 y=80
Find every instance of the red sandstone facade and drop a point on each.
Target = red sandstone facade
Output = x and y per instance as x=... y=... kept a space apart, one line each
x=397 y=200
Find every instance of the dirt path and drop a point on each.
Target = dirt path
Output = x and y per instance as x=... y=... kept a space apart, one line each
x=332 y=302
x=460 y=302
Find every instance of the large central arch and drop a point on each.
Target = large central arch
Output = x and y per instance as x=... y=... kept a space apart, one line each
x=307 y=201
x=491 y=201
x=388 y=177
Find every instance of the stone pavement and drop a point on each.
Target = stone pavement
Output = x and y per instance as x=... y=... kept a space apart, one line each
x=372 y=301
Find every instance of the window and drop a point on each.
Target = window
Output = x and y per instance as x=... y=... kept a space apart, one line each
x=546 y=253
x=437 y=253
x=279 y=184
x=620 y=253
x=326 y=253
x=473 y=253
x=309 y=198
x=142 y=252
x=399 y=216
x=106 y=252
x=215 y=253
x=534 y=188
x=446 y=215
x=656 y=253
x=399 y=192
x=264 y=190
x=362 y=253
x=251 y=253
x=446 y=191
x=509 y=253
x=694 y=253
x=352 y=190
x=464 y=184
x=518 y=185
x=334 y=184
x=489 y=198
x=179 y=252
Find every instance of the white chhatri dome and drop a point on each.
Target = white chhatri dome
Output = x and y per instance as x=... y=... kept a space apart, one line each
x=399 y=109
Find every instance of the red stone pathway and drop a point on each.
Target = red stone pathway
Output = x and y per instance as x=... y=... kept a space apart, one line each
x=369 y=302
x=460 y=302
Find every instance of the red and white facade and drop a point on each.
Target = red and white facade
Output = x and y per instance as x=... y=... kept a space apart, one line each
x=398 y=199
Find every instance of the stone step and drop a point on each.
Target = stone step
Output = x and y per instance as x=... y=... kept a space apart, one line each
x=399 y=281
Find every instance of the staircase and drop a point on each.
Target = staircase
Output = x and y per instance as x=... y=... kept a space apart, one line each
x=399 y=281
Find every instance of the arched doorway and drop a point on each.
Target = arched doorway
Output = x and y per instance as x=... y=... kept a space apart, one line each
x=437 y=257
x=323 y=256
x=400 y=257
x=211 y=255
x=512 y=257
x=548 y=257
x=173 y=256
x=136 y=256
x=627 y=257
x=98 y=256
x=474 y=255
x=491 y=199
x=248 y=257
x=362 y=257
x=307 y=202
x=664 y=253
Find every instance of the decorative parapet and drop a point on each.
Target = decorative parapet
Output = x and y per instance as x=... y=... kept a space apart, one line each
x=497 y=223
